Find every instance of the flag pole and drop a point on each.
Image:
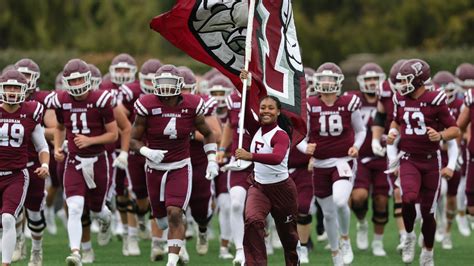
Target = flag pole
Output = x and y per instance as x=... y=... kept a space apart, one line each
x=248 y=55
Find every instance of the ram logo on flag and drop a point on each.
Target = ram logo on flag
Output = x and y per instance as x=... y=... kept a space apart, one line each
x=214 y=31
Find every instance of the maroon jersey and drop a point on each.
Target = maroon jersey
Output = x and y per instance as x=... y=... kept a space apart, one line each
x=15 y=134
x=198 y=156
x=330 y=126
x=297 y=159
x=386 y=99
x=44 y=98
x=129 y=93
x=234 y=103
x=367 y=111
x=169 y=128
x=469 y=102
x=87 y=117
x=415 y=115
x=455 y=108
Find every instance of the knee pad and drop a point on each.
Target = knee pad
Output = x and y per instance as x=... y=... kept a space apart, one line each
x=8 y=221
x=237 y=206
x=75 y=206
x=397 y=210
x=36 y=221
x=303 y=219
x=162 y=223
x=86 y=219
x=203 y=222
x=121 y=205
x=140 y=212
x=358 y=207
x=380 y=218
x=132 y=206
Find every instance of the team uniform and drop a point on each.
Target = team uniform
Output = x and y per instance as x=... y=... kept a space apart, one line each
x=420 y=165
x=169 y=183
x=370 y=168
x=272 y=192
x=330 y=128
x=87 y=170
x=298 y=170
x=201 y=195
x=16 y=129
x=468 y=102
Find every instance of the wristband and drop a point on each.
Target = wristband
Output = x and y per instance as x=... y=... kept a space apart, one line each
x=45 y=165
x=222 y=149
x=211 y=157
x=393 y=130
x=210 y=147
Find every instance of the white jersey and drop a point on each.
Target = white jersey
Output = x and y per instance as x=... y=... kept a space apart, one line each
x=265 y=173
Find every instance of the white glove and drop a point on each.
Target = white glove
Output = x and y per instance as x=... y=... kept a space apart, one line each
x=155 y=156
x=121 y=161
x=64 y=147
x=212 y=170
x=377 y=148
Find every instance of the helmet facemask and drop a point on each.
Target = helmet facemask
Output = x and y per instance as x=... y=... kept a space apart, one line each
x=12 y=91
x=79 y=89
x=405 y=85
x=122 y=73
x=328 y=82
x=31 y=76
x=167 y=85
x=371 y=82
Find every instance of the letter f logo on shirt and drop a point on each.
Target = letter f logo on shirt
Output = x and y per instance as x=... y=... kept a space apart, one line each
x=258 y=146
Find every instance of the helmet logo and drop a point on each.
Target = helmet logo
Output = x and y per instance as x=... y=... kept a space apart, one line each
x=418 y=68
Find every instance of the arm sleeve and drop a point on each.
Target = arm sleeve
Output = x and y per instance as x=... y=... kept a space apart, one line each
x=453 y=153
x=359 y=129
x=280 y=143
x=37 y=136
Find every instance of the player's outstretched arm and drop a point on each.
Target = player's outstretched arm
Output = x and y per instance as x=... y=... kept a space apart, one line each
x=59 y=136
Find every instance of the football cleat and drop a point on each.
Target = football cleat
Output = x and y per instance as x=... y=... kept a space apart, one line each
x=362 y=235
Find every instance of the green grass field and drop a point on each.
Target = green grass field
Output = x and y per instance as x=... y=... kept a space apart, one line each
x=56 y=249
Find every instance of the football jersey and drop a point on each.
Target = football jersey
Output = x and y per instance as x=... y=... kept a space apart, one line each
x=15 y=134
x=87 y=117
x=469 y=102
x=330 y=126
x=415 y=115
x=367 y=111
x=44 y=98
x=234 y=103
x=116 y=98
x=198 y=156
x=386 y=99
x=169 y=127
x=129 y=93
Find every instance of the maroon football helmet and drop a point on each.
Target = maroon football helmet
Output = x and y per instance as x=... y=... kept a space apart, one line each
x=465 y=76
x=74 y=72
x=413 y=74
x=446 y=81
x=123 y=69
x=328 y=78
x=392 y=79
x=147 y=74
x=371 y=78
x=96 y=76
x=220 y=87
x=30 y=70
x=167 y=81
x=13 y=87
x=189 y=79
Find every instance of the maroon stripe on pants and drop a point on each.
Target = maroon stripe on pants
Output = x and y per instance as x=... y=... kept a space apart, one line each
x=280 y=200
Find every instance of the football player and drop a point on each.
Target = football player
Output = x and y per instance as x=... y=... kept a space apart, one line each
x=167 y=119
x=337 y=131
x=421 y=120
x=370 y=167
x=20 y=125
x=85 y=117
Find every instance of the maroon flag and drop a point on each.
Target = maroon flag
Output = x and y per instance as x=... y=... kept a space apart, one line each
x=214 y=31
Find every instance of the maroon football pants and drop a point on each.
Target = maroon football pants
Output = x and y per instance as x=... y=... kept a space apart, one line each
x=280 y=200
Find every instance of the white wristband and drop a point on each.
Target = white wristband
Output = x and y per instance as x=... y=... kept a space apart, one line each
x=393 y=130
x=144 y=151
x=211 y=157
x=45 y=165
x=210 y=147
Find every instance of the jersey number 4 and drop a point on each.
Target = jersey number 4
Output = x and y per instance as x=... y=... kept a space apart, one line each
x=83 y=120
x=170 y=129
x=11 y=135
x=330 y=125
x=415 y=117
